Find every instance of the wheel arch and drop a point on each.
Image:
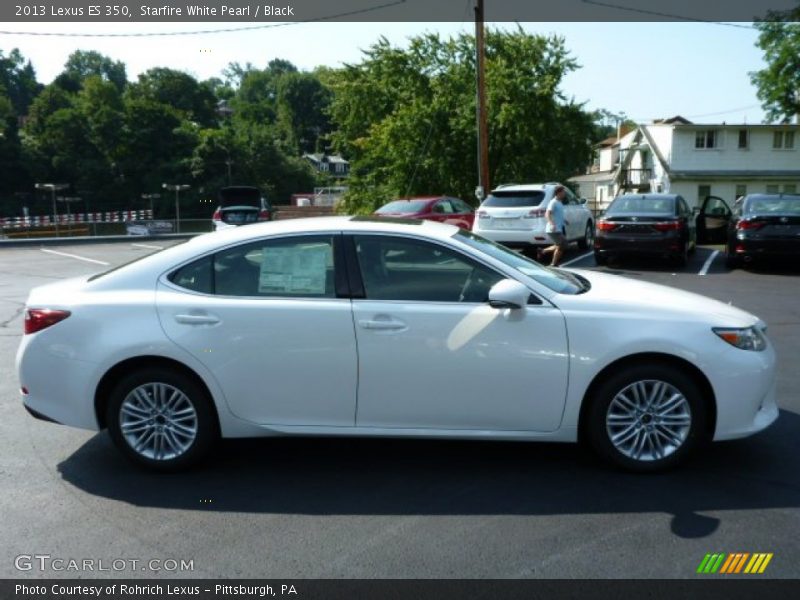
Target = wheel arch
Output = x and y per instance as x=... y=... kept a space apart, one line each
x=649 y=358
x=119 y=370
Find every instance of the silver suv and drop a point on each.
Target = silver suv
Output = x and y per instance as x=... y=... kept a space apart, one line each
x=514 y=215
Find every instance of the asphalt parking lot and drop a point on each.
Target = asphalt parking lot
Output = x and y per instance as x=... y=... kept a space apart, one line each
x=292 y=508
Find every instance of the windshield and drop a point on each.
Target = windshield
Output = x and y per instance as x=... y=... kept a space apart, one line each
x=514 y=199
x=641 y=205
x=554 y=279
x=778 y=205
x=403 y=206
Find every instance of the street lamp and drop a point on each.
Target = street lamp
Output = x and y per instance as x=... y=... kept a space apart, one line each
x=53 y=187
x=177 y=188
x=150 y=197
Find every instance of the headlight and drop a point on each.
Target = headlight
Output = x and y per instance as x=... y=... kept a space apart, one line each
x=748 y=338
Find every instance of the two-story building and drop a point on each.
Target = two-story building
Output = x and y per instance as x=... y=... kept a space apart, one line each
x=331 y=164
x=698 y=160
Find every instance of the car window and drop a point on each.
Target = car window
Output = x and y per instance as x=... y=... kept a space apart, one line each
x=641 y=205
x=717 y=207
x=443 y=206
x=394 y=268
x=403 y=206
x=291 y=267
x=461 y=206
x=773 y=205
x=501 y=199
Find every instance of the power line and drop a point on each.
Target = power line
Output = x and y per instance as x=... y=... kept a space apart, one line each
x=713 y=114
x=209 y=31
x=667 y=15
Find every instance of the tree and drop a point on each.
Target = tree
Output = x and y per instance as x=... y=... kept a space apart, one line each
x=195 y=100
x=779 y=83
x=82 y=64
x=405 y=118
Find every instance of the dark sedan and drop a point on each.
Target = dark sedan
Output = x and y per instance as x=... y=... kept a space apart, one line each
x=659 y=225
x=444 y=209
x=763 y=225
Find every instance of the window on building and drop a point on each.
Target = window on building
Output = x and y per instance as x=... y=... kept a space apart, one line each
x=783 y=140
x=744 y=138
x=790 y=188
x=705 y=139
x=703 y=191
x=773 y=188
x=741 y=190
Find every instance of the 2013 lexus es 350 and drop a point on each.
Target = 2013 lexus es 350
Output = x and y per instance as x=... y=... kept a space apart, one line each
x=385 y=327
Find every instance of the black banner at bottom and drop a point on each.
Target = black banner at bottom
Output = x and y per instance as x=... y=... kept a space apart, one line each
x=733 y=588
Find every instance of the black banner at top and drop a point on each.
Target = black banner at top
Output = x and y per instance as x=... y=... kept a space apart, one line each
x=255 y=11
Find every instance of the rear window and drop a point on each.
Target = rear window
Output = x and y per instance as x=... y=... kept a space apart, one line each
x=403 y=206
x=779 y=205
x=514 y=199
x=638 y=205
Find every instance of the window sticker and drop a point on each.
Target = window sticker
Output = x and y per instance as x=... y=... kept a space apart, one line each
x=295 y=269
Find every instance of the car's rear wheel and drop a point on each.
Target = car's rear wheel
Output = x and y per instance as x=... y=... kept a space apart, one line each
x=646 y=417
x=600 y=259
x=732 y=261
x=588 y=237
x=161 y=419
x=682 y=258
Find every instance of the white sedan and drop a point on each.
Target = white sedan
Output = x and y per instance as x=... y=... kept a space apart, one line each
x=371 y=327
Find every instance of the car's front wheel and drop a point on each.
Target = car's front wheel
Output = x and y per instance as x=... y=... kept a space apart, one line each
x=161 y=419
x=588 y=237
x=646 y=417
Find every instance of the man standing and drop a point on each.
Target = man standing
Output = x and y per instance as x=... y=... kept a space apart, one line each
x=556 y=227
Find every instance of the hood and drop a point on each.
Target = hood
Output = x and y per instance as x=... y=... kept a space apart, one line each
x=614 y=293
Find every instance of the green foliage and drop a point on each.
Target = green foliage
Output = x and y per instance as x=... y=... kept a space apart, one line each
x=405 y=118
x=779 y=83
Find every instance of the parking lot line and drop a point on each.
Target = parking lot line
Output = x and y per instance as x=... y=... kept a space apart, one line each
x=708 y=262
x=576 y=259
x=148 y=246
x=91 y=260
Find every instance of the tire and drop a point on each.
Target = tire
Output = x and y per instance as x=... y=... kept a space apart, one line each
x=731 y=260
x=588 y=237
x=682 y=259
x=639 y=436
x=165 y=412
x=600 y=259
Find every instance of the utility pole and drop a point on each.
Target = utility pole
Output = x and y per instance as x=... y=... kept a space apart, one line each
x=482 y=127
x=177 y=188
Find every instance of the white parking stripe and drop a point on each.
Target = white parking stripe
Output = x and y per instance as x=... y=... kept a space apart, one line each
x=576 y=259
x=148 y=246
x=708 y=262
x=91 y=260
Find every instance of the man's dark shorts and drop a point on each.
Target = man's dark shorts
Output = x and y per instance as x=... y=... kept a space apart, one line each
x=558 y=239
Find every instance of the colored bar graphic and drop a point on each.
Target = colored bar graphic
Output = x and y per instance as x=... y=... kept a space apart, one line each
x=728 y=564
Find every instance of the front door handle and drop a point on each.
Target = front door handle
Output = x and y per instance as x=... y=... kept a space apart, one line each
x=197 y=319
x=382 y=324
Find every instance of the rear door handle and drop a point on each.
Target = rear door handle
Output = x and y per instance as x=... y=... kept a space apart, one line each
x=197 y=319
x=382 y=325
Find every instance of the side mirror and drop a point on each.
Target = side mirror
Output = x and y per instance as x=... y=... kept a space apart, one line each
x=508 y=294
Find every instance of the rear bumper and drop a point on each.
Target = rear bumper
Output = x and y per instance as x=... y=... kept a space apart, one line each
x=662 y=246
x=768 y=248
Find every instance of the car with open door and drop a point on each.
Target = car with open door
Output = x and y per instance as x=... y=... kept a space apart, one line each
x=241 y=205
x=763 y=226
x=712 y=222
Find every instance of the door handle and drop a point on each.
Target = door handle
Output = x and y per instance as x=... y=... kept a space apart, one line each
x=383 y=325
x=197 y=319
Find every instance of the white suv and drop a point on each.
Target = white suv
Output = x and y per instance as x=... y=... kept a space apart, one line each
x=514 y=215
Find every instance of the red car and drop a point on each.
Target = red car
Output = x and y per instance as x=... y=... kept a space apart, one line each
x=443 y=209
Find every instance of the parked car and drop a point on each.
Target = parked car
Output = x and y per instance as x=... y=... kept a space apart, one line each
x=443 y=209
x=387 y=328
x=660 y=225
x=514 y=215
x=241 y=205
x=763 y=225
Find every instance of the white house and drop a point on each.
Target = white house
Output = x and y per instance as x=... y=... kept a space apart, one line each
x=698 y=160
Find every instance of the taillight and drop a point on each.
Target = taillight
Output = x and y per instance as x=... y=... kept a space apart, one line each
x=667 y=226
x=217 y=215
x=37 y=319
x=750 y=225
x=482 y=214
x=606 y=226
x=536 y=213
x=263 y=215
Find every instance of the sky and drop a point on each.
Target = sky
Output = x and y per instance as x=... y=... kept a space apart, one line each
x=645 y=70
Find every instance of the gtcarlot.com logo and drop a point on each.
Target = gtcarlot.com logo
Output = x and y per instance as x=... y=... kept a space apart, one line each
x=738 y=562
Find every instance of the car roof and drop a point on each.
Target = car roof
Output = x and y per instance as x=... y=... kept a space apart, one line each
x=524 y=187
x=654 y=196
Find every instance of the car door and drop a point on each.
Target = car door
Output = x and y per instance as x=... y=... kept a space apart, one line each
x=434 y=354
x=465 y=214
x=688 y=221
x=712 y=222
x=572 y=214
x=273 y=324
